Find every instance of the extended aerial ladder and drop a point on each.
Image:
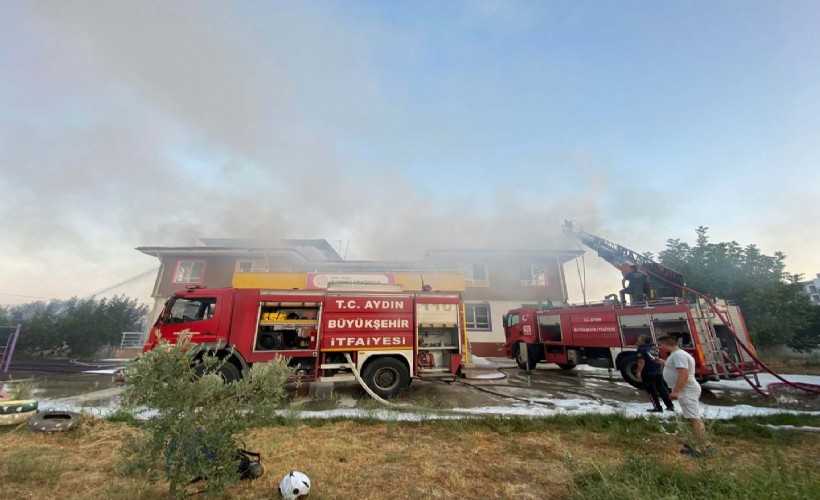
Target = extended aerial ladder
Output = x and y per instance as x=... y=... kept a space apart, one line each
x=666 y=282
x=622 y=257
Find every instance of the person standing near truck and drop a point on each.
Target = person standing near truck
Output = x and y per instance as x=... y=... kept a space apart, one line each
x=679 y=373
x=649 y=372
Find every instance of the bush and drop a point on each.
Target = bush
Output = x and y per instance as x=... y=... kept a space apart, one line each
x=197 y=420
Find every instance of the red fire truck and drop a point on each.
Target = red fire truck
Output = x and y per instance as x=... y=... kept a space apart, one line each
x=391 y=337
x=605 y=335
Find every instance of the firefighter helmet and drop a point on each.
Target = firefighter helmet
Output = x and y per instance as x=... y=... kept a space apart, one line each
x=294 y=485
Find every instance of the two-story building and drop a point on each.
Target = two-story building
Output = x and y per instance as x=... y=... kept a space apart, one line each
x=494 y=281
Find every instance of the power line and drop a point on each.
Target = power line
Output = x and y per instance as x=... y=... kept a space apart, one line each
x=25 y=296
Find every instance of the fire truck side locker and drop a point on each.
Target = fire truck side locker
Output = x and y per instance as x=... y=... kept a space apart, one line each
x=438 y=338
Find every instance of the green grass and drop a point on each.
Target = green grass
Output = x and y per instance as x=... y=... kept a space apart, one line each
x=716 y=478
x=31 y=466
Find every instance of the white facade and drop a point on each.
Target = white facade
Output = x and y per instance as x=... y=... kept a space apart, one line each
x=812 y=289
x=495 y=330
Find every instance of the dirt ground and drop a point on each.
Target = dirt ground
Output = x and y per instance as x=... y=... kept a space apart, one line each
x=788 y=366
x=369 y=460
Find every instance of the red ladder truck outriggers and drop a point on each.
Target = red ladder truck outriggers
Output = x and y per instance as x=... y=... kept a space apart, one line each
x=386 y=337
x=605 y=334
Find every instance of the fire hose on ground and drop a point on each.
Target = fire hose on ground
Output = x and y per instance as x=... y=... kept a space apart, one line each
x=355 y=371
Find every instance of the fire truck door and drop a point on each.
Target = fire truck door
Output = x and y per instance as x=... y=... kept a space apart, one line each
x=196 y=315
x=549 y=328
x=514 y=325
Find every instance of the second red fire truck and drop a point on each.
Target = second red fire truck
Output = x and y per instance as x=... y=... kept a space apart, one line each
x=390 y=337
x=605 y=335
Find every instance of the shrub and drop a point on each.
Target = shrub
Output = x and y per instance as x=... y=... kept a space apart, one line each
x=197 y=421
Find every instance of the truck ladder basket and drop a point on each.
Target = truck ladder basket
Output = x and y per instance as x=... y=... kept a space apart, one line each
x=813 y=389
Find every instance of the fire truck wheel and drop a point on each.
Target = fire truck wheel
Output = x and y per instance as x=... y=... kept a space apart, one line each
x=566 y=366
x=229 y=372
x=528 y=365
x=387 y=377
x=629 y=371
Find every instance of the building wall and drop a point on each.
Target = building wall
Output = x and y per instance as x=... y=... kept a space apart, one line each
x=812 y=289
x=503 y=290
x=490 y=343
x=504 y=282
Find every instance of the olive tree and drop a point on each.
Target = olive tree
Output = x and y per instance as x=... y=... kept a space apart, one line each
x=195 y=421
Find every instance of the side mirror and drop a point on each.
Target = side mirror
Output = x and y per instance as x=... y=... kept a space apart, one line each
x=505 y=320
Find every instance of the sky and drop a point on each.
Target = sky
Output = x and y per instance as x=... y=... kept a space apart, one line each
x=399 y=127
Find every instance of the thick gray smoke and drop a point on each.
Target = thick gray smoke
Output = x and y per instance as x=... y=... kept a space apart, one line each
x=156 y=123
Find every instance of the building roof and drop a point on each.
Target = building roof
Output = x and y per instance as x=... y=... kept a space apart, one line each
x=563 y=255
x=307 y=247
x=303 y=250
x=319 y=255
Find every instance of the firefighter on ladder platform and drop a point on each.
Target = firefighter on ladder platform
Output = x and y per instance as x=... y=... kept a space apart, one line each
x=638 y=288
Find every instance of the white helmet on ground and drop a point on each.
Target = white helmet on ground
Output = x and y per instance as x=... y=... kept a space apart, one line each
x=294 y=485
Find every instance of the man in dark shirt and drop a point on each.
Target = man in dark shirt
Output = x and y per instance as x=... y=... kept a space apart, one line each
x=638 y=285
x=651 y=374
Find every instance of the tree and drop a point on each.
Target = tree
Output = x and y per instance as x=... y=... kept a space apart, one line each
x=771 y=299
x=76 y=327
x=197 y=420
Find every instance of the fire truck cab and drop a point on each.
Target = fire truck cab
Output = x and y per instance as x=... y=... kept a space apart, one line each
x=605 y=335
x=391 y=337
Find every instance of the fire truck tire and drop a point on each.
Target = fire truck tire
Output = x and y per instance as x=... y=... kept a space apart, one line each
x=229 y=372
x=528 y=365
x=629 y=369
x=387 y=377
x=566 y=366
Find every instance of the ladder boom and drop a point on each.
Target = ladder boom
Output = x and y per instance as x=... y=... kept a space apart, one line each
x=620 y=256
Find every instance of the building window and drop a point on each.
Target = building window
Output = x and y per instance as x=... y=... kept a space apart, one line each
x=189 y=271
x=534 y=275
x=475 y=274
x=812 y=289
x=248 y=266
x=478 y=317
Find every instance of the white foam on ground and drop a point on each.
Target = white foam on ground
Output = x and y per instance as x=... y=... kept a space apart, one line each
x=489 y=376
x=479 y=361
x=109 y=371
x=533 y=410
x=765 y=380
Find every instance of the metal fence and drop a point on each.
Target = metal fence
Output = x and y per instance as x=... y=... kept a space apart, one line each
x=133 y=340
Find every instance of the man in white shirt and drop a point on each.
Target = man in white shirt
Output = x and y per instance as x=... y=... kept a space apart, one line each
x=679 y=374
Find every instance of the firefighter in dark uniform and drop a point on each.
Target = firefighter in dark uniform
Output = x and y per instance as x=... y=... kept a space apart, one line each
x=651 y=374
x=638 y=287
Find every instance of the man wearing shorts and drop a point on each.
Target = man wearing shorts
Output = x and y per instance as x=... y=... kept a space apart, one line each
x=679 y=374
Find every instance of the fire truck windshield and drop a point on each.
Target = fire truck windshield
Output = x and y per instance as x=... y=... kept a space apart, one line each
x=184 y=310
x=513 y=319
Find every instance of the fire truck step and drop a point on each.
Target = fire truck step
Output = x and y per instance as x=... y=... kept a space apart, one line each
x=333 y=366
x=433 y=376
x=338 y=378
